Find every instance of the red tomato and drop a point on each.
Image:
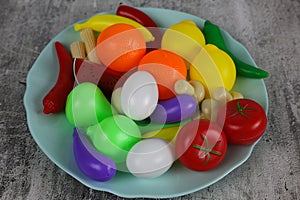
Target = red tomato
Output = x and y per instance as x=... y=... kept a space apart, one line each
x=201 y=145
x=244 y=121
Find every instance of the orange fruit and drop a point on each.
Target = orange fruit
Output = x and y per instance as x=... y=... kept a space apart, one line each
x=120 y=47
x=167 y=68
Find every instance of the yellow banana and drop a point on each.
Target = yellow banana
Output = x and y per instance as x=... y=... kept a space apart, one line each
x=101 y=22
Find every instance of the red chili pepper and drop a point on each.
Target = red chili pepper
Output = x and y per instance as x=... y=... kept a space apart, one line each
x=136 y=15
x=143 y=19
x=55 y=100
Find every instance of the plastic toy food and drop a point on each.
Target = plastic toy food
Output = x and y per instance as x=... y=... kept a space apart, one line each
x=236 y=95
x=201 y=145
x=188 y=37
x=184 y=87
x=101 y=22
x=120 y=47
x=136 y=15
x=143 y=19
x=214 y=36
x=77 y=49
x=244 y=121
x=221 y=95
x=116 y=100
x=213 y=68
x=161 y=64
x=174 y=110
x=114 y=136
x=209 y=108
x=90 y=162
x=150 y=158
x=88 y=37
x=55 y=100
x=199 y=91
x=86 y=105
x=99 y=74
x=168 y=134
x=139 y=95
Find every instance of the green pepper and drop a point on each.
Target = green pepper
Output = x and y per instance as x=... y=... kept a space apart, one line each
x=214 y=36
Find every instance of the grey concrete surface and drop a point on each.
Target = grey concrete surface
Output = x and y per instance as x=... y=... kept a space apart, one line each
x=269 y=29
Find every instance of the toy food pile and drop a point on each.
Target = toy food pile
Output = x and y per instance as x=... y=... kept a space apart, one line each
x=140 y=97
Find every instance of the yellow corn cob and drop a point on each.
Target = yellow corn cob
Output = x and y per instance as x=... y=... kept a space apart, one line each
x=77 y=49
x=88 y=37
x=101 y=22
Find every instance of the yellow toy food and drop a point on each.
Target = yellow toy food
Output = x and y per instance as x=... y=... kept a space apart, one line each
x=213 y=68
x=168 y=134
x=101 y=22
x=184 y=39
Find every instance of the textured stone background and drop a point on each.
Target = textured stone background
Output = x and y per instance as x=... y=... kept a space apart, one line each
x=270 y=30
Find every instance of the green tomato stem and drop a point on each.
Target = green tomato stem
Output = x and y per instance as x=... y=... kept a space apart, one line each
x=239 y=109
x=207 y=149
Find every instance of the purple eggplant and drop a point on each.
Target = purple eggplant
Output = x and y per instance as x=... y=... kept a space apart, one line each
x=174 y=110
x=93 y=164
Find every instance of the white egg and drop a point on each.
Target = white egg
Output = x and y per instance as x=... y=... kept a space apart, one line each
x=150 y=158
x=139 y=95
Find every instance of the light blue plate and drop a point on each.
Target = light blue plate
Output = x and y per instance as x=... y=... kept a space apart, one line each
x=53 y=133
